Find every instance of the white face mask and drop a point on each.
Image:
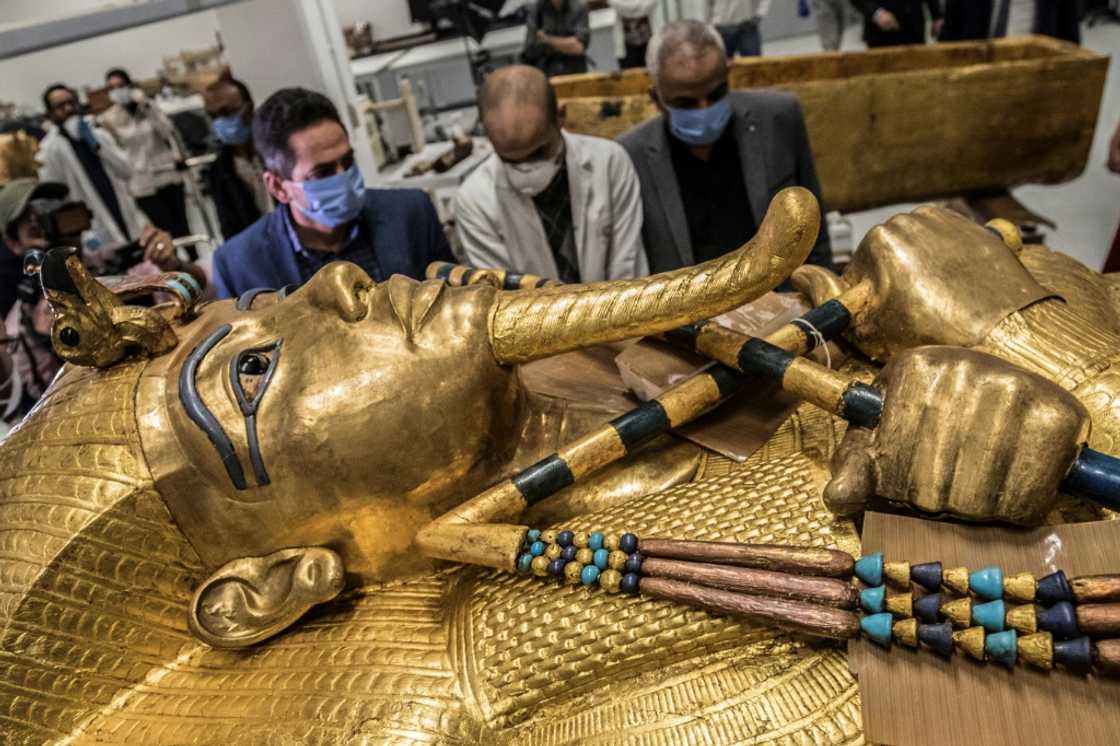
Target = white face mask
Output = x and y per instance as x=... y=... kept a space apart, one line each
x=120 y=96
x=72 y=126
x=533 y=177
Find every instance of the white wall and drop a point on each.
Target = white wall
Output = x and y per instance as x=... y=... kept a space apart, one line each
x=138 y=50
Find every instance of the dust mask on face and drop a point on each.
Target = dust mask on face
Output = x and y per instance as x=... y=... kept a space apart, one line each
x=533 y=177
x=120 y=96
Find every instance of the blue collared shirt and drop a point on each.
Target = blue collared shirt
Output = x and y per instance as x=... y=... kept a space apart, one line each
x=358 y=249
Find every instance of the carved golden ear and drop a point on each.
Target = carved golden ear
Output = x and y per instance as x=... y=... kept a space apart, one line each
x=93 y=326
x=253 y=598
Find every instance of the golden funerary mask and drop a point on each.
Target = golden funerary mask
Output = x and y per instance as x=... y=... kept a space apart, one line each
x=348 y=414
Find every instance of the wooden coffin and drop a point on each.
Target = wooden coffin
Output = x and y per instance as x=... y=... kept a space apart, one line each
x=906 y=124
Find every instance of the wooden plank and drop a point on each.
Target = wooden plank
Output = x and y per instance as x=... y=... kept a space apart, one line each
x=916 y=698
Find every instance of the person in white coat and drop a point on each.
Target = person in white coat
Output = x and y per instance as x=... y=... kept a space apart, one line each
x=548 y=202
x=85 y=158
x=738 y=23
x=636 y=21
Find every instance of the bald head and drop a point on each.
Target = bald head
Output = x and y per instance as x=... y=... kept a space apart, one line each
x=519 y=111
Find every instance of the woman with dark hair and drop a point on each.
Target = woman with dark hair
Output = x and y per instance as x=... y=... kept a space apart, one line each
x=148 y=137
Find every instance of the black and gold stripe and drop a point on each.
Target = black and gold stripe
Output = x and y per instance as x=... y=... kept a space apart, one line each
x=459 y=275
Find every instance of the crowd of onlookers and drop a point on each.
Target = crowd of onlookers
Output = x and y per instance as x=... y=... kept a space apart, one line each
x=687 y=186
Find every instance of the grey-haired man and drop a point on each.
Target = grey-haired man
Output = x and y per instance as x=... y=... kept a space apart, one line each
x=712 y=161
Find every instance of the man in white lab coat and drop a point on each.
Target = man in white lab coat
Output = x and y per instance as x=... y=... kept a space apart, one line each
x=86 y=159
x=548 y=202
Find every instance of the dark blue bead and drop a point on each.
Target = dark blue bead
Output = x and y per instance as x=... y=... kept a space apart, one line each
x=926 y=608
x=927 y=575
x=564 y=538
x=569 y=553
x=630 y=583
x=628 y=543
x=532 y=535
x=633 y=563
x=1075 y=655
x=1053 y=588
x=1060 y=620
x=556 y=567
x=937 y=637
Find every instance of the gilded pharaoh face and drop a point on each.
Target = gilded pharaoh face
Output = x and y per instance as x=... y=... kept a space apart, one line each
x=345 y=414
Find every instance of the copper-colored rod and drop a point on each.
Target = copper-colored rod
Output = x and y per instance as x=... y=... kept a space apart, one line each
x=1091 y=589
x=813 y=619
x=802 y=560
x=1098 y=620
x=839 y=594
x=1106 y=657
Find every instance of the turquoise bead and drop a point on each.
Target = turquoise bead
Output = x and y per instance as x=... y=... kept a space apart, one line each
x=532 y=535
x=878 y=628
x=589 y=575
x=871 y=599
x=537 y=548
x=987 y=583
x=601 y=556
x=595 y=541
x=990 y=616
x=869 y=569
x=524 y=563
x=1002 y=647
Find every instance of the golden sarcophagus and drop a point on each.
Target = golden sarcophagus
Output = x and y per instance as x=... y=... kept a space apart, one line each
x=906 y=124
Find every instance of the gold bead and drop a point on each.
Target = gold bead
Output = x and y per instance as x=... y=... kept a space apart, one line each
x=580 y=539
x=956 y=580
x=1023 y=619
x=900 y=604
x=540 y=566
x=609 y=580
x=959 y=612
x=610 y=542
x=1037 y=649
x=553 y=551
x=616 y=560
x=897 y=574
x=1020 y=587
x=549 y=536
x=971 y=641
x=585 y=556
x=905 y=632
x=572 y=572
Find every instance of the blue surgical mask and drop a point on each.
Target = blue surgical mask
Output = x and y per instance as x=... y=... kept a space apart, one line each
x=336 y=199
x=232 y=130
x=700 y=127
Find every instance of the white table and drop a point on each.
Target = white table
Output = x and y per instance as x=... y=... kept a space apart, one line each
x=441 y=73
x=442 y=187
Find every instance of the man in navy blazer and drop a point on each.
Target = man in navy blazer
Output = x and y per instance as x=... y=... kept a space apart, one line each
x=324 y=212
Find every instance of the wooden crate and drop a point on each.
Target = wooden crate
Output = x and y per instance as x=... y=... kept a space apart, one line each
x=906 y=124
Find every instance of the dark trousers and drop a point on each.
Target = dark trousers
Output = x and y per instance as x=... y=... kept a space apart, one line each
x=967 y=19
x=635 y=56
x=167 y=209
x=741 y=39
x=1058 y=18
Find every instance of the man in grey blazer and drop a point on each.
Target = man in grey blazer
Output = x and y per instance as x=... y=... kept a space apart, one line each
x=712 y=161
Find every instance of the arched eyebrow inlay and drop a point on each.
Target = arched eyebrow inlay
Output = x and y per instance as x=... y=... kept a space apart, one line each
x=201 y=415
